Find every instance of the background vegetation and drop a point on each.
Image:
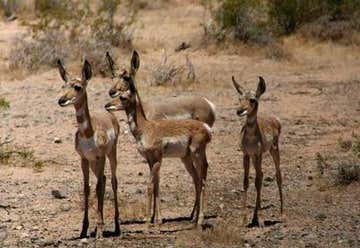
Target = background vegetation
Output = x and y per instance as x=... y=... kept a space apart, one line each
x=259 y=22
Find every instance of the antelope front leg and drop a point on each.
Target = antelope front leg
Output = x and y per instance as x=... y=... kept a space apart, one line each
x=156 y=182
x=194 y=174
x=114 y=184
x=246 y=165
x=85 y=171
x=258 y=184
x=100 y=190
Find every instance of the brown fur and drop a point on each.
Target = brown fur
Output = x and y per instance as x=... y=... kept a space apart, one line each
x=95 y=139
x=259 y=134
x=185 y=139
x=181 y=107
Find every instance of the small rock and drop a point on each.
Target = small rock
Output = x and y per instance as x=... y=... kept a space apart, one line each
x=84 y=242
x=24 y=235
x=139 y=191
x=18 y=227
x=221 y=206
x=65 y=207
x=320 y=216
x=57 y=140
x=57 y=194
x=140 y=174
x=268 y=179
x=310 y=177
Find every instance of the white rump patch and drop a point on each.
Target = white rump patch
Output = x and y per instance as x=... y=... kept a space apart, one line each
x=208 y=128
x=175 y=146
x=212 y=106
x=185 y=116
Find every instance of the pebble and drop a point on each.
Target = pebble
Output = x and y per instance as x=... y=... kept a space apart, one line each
x=57 y=194
x=57 y=140
x=65 y=207
x=18 y=227
x=320 y=216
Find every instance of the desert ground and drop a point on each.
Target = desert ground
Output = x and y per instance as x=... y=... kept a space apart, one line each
x=316 y=95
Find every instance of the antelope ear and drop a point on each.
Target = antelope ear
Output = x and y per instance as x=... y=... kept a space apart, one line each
x=132 y=86
x=237 y=86
x=62 y=71
x=261 y=87
x=111 y=63
x=86 y=71
x=135 y=63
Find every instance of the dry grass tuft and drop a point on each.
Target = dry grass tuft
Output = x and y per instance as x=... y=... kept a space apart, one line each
x=72 y=30
x=4 y=104
x=343 y=168
x=277 y=52
x=133 y=211
x=225 y=233
x=168 y=71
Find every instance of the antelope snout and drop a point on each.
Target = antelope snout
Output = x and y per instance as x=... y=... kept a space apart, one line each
x=108 y=106
x=62 y=101
x=241 y=112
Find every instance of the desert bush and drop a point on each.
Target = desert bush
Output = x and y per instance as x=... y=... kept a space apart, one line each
x=277 y=52
x=245 y=19
x=69 y=30
x=170 y=72
x=348 y=172
x=338 y=30
x=330 y=17
x=4 y=104
x=343 y=166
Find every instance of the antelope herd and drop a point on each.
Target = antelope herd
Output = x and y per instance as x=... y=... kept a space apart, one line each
x=178 y=127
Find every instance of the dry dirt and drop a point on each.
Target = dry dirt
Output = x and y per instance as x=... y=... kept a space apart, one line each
x=316 y=95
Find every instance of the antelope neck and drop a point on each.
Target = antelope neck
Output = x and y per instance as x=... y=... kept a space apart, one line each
x=251 y=120
x=83 y=118
x=136 y=119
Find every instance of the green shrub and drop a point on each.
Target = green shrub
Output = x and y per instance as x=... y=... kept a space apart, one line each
x=4 y=104
x=71 y=30
x=245 y=19
x=288 y=15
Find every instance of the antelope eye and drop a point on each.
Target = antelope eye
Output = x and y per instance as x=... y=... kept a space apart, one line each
x=252 y=100
x=77 y=87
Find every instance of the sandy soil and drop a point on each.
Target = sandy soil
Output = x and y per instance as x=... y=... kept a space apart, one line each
x=316 y=96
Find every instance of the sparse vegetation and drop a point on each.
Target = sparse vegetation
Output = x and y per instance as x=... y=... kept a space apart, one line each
x=4 y=104
x=69 y=30
x=224 y=234
x=169 y=72
x=344 y=167
x=348 y=172
x=19 y=156
x=260 y=22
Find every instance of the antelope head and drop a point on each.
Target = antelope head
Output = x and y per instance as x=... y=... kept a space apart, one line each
x=248 y=99
x=75 y=88
x=124 y=89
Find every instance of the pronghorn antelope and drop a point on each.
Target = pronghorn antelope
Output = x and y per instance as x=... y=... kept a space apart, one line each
x=95 y=139
x=176 y=108
x=184 y=139
x=259 y=135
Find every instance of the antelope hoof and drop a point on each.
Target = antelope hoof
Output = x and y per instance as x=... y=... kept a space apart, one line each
x=254 y=223
x=99 y=231
x=83 y=234
x=117 y=229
